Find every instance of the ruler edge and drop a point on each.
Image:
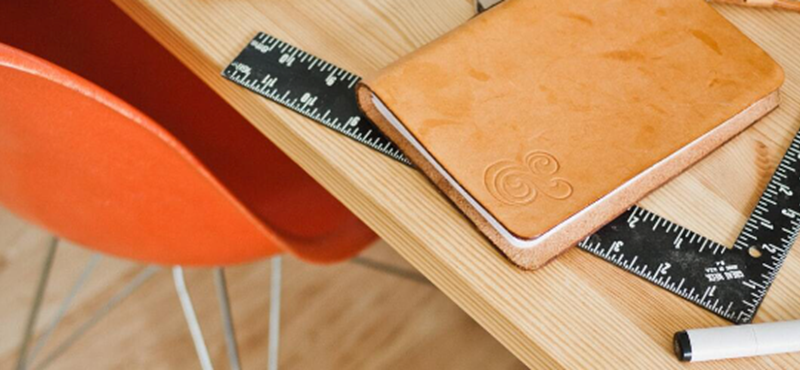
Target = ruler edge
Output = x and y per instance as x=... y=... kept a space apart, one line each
x=753 y=310
x=581 y=245
x=795 y=142
x=401 y=158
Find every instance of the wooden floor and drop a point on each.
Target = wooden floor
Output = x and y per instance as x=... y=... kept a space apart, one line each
x=335 y=317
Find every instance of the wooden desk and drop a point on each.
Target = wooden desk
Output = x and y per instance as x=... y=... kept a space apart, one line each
x=578 y=312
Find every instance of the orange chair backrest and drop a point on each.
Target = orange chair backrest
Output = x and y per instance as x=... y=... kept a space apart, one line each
x=101 y=43
x=87 y=166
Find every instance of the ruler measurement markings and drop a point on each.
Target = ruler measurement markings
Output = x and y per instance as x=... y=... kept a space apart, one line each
x=736 y=282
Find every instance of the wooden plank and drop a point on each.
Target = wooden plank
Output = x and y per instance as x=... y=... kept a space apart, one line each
x=342 y=316
x=576 y=312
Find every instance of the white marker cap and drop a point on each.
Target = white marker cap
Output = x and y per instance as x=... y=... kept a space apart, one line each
x=737 y=341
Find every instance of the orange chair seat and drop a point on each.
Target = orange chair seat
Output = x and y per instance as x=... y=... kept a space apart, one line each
x=274 y=204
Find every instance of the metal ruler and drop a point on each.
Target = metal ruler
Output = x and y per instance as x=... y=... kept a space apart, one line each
x=730 y=282
x=309 y=86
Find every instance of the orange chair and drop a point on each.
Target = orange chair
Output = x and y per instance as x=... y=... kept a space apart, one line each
x=171 y=192
x=204 y=189
x=80 y=162
x=83 y=164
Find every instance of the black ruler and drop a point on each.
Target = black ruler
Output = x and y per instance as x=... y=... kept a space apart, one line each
x=730 y=282
x=309 y=86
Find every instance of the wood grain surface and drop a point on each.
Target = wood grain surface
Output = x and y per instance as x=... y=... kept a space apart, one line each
x=577 y=312
x=343 y=316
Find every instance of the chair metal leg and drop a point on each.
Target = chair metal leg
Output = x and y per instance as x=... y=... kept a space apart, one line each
x=33 y=315
x=274 y=314
x=391 y=270
x=26 y=357
x=191 y=319
x=126 y=291
x=227 y=318
x=65 y=305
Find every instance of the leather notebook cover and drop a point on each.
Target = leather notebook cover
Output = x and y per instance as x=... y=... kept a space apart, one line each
x=543 y=120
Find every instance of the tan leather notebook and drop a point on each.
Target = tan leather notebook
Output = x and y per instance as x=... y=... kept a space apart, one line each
x=543 y=120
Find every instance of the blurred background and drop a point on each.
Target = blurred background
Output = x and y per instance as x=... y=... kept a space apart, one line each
x=343 y=316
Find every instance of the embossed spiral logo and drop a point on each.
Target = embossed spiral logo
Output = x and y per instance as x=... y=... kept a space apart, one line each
x=517 y=183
